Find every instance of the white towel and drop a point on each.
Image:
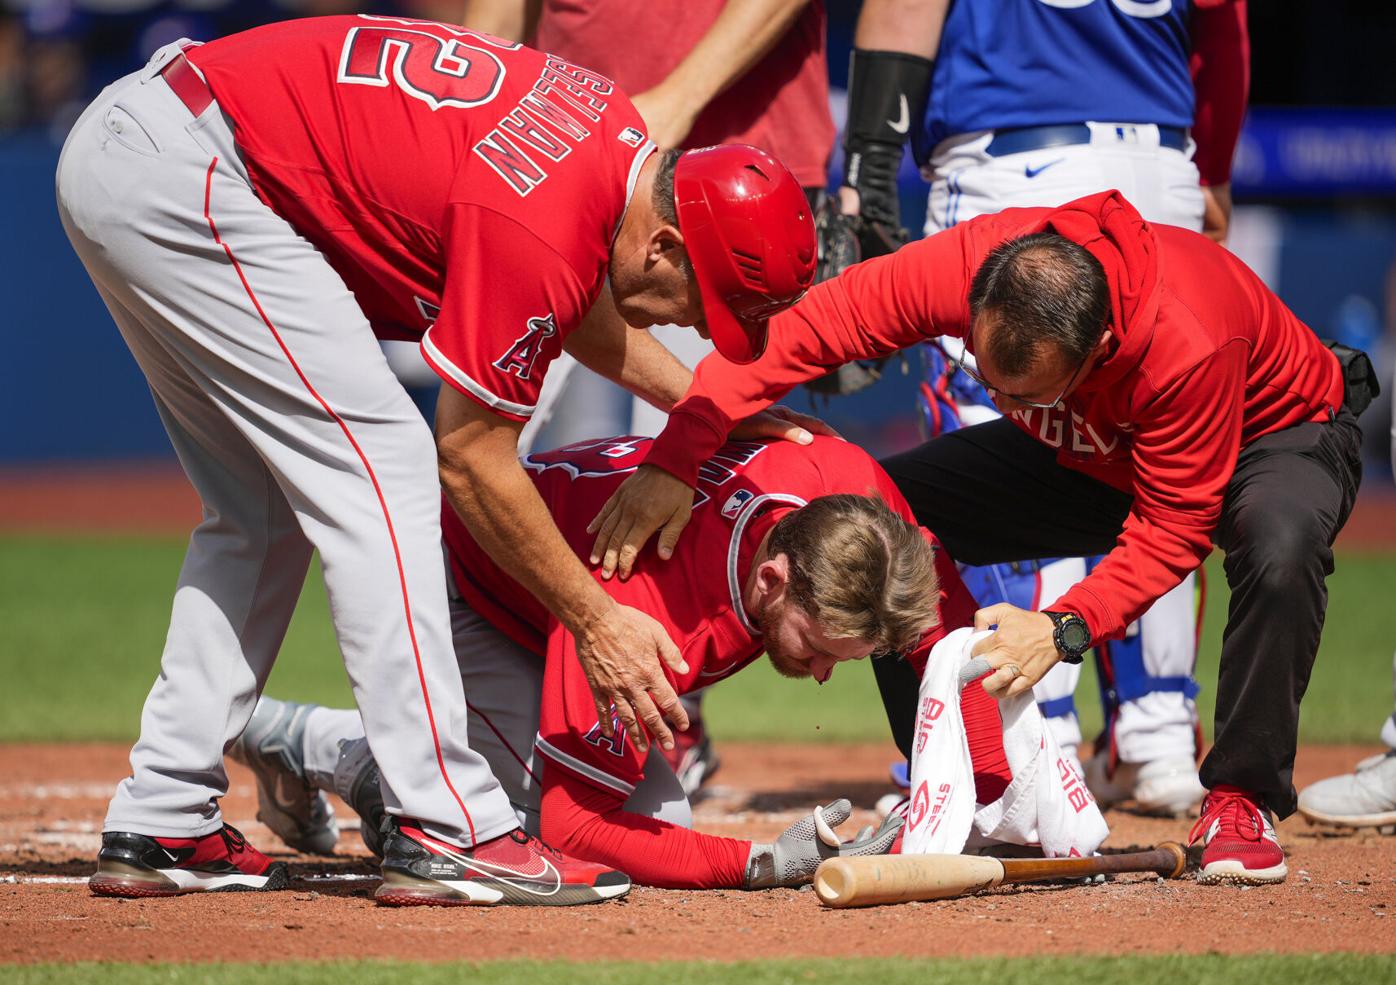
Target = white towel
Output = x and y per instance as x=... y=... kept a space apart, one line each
x=1046 y=802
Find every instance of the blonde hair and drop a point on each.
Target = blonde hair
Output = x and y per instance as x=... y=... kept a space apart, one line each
x=859 y=570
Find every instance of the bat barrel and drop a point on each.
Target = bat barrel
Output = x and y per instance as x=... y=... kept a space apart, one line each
x=874 y=879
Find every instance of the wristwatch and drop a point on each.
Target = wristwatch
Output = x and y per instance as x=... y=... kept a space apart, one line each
x=1071 y=634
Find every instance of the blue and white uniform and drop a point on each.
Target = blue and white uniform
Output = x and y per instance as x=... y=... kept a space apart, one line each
x=1038 y=102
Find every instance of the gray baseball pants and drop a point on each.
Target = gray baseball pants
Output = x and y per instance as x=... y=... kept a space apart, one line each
x=290 y=425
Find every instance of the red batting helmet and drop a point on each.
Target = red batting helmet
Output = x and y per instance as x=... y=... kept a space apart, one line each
x=750 y=236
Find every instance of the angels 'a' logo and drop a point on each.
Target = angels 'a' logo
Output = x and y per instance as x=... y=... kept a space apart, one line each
x=525 y=351
x=615 y=743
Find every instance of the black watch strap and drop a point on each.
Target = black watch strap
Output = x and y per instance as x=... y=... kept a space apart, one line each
x=1071 y=635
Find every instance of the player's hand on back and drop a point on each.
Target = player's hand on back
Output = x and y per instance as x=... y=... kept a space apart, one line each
x=793 y=857
x=621 y=653
x=645 y=502
x=782 y=422
x=653 y=500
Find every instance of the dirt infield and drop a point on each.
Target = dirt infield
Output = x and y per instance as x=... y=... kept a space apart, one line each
x=1341 y=894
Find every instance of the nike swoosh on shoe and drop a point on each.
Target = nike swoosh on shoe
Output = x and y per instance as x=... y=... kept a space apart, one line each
x=504 y=874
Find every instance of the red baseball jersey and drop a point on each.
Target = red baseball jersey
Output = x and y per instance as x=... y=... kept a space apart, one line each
x=1205 y=360
x=781 y=104
x=743 y=490
x=466 y=189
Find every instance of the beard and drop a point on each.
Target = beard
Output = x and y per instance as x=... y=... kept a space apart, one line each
x=783 y=664
x=790 y=671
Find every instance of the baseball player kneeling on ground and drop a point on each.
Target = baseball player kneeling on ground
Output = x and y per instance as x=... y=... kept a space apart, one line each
x=256 y=212
x=806 y=553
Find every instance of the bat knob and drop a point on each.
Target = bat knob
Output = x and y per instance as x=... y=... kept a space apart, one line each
x=833 y=882
x=1180 y=859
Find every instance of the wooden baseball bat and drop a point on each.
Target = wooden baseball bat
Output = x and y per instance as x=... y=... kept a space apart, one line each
x=873 y=879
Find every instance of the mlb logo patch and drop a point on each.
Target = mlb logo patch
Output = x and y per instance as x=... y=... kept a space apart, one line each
x=736 y=501
x=632 y=137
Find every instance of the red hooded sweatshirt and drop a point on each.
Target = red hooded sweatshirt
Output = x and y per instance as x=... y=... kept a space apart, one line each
x=1206 y=360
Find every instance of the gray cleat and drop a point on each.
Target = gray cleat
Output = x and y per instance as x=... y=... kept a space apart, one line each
x=356 y=780
x=272 y=746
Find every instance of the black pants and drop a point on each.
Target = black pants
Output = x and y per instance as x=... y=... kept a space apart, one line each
x=993 y=494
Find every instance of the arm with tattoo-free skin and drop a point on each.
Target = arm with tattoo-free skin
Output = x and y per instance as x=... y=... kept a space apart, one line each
x=886 y=30
x=741 y=36
x=512 y=20
x=617 y=645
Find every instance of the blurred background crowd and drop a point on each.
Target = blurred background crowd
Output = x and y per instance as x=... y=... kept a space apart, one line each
x=1314 y=182
x=56 y=54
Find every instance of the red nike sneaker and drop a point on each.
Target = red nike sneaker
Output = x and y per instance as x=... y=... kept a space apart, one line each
x=135 y=865
x=1240 y=841
x=516 y=868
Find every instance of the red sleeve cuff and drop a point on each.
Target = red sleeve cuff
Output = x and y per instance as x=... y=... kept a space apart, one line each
x=687 y=441
x=1103 y=623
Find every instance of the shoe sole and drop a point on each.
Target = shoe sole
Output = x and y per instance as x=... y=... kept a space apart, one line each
x=133 y=882
x=404 y=890
x=1231 y=872
x=1385 y=823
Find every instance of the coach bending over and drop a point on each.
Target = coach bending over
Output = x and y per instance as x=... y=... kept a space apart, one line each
x=1159 y=399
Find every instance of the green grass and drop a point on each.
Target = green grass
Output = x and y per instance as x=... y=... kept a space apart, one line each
x=1208 y=969
x=82 y=623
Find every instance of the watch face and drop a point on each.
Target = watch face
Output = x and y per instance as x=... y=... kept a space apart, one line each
x=1075 y=635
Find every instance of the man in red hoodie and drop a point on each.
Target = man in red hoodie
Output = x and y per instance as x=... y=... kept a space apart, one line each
x=1159 y=400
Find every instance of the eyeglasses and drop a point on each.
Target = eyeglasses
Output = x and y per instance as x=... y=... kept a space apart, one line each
x=965 y=362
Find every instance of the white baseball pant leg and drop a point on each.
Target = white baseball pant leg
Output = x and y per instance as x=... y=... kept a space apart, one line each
x=1388 y=727
x=1162 y=722
x=295 y=434
x=503 y=685
x=1163 y=184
